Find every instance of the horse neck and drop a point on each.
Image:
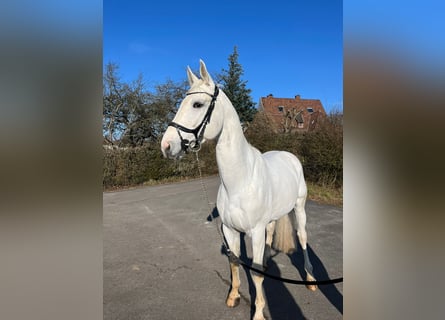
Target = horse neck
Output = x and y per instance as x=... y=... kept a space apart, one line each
x=234 y=155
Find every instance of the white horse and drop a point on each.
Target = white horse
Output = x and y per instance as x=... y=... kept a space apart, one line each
x=257 y=191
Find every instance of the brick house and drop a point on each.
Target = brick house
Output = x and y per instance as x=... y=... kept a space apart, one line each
x=292 y=114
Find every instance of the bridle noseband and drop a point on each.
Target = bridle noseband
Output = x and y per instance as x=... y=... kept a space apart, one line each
x=198 y=132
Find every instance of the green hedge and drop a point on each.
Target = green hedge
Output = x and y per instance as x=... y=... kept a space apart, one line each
x=322 y=158
x=134 y=166
x=320 y=151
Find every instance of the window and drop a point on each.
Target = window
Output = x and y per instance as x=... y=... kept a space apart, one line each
x=299 y=117
x=310 y=110
x=300 y=120
x=280 y=108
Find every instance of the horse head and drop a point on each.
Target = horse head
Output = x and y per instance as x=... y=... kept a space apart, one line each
x=198 y=118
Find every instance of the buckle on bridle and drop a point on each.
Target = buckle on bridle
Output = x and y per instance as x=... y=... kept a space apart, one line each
x=194 y=146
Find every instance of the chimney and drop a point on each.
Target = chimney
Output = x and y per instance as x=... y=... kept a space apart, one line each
x=270 y=95
x=297 y=97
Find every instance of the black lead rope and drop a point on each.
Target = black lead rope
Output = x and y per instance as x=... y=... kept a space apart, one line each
x=234 y=259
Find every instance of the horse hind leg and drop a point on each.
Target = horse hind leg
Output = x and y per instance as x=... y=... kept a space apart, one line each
x=233 y=240
x=300 y=215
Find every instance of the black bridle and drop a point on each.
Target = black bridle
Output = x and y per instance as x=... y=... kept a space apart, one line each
x=198 y=132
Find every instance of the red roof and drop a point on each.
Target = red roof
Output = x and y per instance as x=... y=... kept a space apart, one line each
x=295 y=114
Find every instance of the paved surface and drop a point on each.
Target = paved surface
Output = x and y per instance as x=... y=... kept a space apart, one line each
x=162 y=260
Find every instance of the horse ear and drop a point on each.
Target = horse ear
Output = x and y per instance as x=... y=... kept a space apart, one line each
x=204 y=73
x=191 y=77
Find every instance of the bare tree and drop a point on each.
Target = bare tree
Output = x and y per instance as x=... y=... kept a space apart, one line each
x=131 y=114
x=113 y=103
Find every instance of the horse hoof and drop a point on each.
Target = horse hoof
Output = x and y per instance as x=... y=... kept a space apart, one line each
x=232 y=303
x=311 y=287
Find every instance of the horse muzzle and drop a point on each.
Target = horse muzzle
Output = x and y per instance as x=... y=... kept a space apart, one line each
x=171 y=148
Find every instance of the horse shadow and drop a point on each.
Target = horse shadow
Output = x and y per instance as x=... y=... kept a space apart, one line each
x=280 y=302
x=330 y=291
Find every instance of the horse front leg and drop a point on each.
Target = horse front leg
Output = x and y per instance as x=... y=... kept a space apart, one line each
x=258 y=243
x=233 y=240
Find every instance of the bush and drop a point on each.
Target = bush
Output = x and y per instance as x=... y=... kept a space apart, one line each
x=134 y=166
x=131 y=166
x=322 y=157
x=320 y=152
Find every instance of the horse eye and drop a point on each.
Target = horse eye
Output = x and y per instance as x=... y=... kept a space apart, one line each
x=197 y=105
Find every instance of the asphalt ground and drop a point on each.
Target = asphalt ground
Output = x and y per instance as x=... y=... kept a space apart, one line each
x=162 y=260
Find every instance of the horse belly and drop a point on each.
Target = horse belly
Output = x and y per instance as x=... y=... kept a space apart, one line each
x=286 y=183
x=284 y=201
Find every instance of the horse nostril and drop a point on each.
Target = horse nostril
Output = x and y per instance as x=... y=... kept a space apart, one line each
x=166 y=146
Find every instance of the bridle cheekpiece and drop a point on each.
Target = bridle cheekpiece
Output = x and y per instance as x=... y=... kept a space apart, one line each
x=198 y=132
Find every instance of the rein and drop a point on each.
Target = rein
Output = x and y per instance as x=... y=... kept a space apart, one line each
x=198 y=132
x=234 y=259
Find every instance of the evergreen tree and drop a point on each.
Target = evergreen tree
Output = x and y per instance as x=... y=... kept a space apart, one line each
x=236 y=90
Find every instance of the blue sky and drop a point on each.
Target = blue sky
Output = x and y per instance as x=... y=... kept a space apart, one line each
x=285 y=47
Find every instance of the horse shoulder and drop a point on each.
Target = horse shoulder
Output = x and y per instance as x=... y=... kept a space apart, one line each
x=239 y=210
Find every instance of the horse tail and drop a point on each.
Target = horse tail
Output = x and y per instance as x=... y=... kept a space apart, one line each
x=284 y=235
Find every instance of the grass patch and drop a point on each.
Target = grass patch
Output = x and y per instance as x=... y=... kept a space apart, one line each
x=325 y=194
